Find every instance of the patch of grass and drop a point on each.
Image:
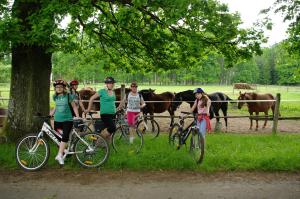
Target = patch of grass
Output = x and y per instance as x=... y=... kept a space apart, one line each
x=224 y=152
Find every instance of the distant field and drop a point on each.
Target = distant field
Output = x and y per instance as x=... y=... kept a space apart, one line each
x=287 y=108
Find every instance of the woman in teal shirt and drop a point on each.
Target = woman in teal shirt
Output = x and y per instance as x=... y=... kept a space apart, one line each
x=107 y=105
x=63 y=118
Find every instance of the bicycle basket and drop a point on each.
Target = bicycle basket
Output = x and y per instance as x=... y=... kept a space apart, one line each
x=78 y=124
x=99 y=125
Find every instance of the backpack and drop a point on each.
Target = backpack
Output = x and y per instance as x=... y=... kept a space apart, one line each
x=70 y=106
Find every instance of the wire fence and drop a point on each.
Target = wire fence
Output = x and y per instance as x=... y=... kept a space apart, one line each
x=274 y=118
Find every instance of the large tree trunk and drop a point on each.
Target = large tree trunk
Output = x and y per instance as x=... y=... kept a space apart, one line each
x=29 y=91
x=30 y=79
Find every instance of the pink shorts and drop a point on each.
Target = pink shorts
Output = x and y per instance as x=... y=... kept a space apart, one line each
x=131 y=118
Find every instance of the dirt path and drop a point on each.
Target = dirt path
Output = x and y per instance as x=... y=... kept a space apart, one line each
x=107 y=184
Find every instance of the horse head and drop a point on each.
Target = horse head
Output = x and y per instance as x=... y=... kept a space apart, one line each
x=177 y=101
x=147 y=93
x=243 y=96
x=86 y=94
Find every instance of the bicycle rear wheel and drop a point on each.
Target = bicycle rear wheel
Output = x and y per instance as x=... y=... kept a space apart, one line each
x=197 y=146
x=121 y=141
x=148 y=127
x=32 y=153
x=174 y=136
x=93 y=151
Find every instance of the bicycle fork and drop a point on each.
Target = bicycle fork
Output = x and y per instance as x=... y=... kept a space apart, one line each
x=37 y=143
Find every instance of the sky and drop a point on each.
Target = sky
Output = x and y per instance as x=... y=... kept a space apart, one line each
x=249 y=12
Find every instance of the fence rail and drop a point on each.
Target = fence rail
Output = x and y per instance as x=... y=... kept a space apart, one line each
x=275 y=118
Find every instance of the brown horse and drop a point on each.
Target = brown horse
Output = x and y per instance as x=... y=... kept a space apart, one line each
x=165 y=103
x=86 y=94
x=257 y=106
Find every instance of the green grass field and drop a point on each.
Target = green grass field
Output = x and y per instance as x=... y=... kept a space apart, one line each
x=224 y=152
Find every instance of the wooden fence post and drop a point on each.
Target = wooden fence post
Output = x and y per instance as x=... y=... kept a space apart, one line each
x=276 y=113
x=122 y=91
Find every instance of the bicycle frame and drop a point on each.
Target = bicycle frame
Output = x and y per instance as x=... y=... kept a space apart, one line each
x=187 y=131
x=46 y=128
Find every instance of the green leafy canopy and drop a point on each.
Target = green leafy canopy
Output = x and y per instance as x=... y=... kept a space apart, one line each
x=132 y=33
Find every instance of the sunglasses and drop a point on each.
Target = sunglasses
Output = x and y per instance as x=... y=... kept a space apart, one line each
x=133 y=86
x=59 y=87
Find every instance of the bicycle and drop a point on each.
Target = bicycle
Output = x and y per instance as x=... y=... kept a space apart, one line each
x=120 y=138
x=178 y=136
x=90 y=149
x=144 y=128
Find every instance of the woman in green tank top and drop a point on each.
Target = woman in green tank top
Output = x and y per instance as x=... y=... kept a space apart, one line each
x=107 y=105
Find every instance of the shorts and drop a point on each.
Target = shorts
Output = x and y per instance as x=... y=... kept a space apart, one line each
x=132 y=118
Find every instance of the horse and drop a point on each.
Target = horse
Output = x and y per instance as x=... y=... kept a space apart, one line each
x=165 y=103
x=257 y=106
x=189 y=97
x=86 y=94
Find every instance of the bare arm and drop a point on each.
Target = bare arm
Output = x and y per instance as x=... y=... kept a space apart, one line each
x=81 y=104
x=193 y=107
x=75 y=109
x=208 y=105
x=91 y=102
x=52 y=112
x=143 y=104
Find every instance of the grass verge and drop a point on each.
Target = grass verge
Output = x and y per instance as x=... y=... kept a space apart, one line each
x=224 y=152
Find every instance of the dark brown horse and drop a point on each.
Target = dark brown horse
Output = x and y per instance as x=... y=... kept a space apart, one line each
x=256 y=107
x=162 y=102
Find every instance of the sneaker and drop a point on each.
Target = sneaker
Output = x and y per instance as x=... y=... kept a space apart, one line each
x=131 y=140
x=60 y=159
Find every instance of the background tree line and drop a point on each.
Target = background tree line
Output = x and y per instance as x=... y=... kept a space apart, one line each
x=275 y=66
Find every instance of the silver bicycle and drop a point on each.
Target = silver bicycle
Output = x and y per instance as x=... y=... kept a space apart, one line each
x=90 y=149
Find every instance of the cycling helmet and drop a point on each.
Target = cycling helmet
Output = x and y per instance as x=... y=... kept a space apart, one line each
x=73 y=82
x=59 y=82
x=198 y=90
x=109 y=80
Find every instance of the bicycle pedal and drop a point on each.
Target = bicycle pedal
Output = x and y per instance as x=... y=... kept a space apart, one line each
x=88 y=162
x=24 y=162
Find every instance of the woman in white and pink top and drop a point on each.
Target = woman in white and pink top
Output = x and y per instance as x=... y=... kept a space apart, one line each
x=135 y=103
x=202 y=103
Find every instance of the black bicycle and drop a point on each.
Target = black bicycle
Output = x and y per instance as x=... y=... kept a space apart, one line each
x=90 y=149
x=121 y=137
x=178 y=136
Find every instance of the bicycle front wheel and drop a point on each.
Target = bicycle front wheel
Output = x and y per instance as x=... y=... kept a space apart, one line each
x=174 y=136
x=91 y=150
x=32 y=153
x=123 y=141
x=197 y=146
x=148 y=127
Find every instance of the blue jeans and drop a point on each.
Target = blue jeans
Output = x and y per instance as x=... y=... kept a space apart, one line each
x=202 y=127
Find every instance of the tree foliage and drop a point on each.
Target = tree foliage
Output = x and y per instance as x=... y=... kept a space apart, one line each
x=133 y=33
x=290 y=10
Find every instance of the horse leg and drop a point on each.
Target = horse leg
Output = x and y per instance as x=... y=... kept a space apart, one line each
x=224 y=110
x=171 y=112
x=256 y=113
x=266 y=119
x=218 y=123
x=251 y=114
